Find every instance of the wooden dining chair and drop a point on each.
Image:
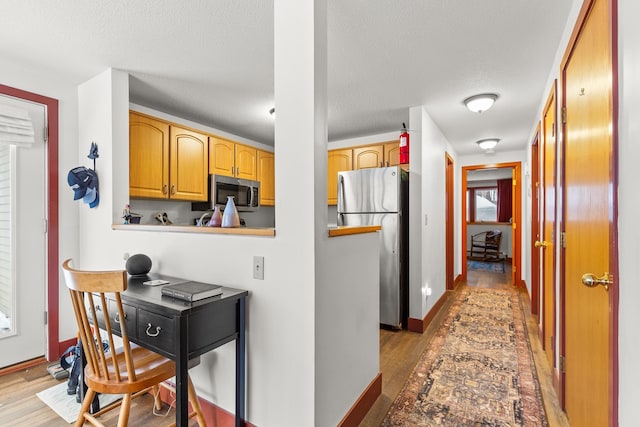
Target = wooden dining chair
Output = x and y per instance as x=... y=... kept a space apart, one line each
x=128 y=369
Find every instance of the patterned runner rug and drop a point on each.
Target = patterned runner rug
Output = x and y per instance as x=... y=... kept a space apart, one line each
x=478 y=371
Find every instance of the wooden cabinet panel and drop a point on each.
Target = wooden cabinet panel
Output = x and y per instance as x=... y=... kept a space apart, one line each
x=246 y=162
x=368 y=157
x=221 y=156
x=338 y=160
x=392 y=153
x=166 y=161
x=148 y=157
x=232 y=159
x=188 y=171
x=266 y=176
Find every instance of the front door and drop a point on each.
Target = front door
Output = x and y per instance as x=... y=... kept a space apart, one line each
x=23 y=243
x=589 y=222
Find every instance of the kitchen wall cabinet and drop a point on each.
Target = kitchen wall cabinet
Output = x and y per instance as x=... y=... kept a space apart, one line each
x=376 y=156
x=189 y=165
x=266 y=176
x=229 y=158
x=148 y=157
x=392 y=153
x=338 y=161
x=166 y=161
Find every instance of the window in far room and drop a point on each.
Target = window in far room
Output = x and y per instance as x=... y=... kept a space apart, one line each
x=490 y=203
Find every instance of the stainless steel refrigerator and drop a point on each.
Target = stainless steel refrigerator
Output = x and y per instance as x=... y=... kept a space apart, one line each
x=379 y=196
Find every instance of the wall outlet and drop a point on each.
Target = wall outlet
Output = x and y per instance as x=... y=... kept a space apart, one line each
x=258 y=267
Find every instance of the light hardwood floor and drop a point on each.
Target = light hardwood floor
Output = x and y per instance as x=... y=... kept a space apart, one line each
x=399 y=352
x=19 y=405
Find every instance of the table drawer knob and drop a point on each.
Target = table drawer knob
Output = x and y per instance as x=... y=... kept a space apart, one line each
x=157 y=332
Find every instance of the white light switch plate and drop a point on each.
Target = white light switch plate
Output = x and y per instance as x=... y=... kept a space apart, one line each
x=258 y=267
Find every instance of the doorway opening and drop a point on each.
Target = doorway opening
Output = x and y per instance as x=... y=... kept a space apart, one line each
x=491 y=217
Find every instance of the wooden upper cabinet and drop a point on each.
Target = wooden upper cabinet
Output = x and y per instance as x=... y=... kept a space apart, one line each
x=221 y=156
x=246 y=162
x=266 y=176
x=392 y=153
x=189 y=166
x=338 y=160
x=368 y=157
x=166 y=161
x=229 y=158
x=148 y=157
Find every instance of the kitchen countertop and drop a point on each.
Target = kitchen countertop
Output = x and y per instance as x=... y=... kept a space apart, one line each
x=349 y=230
x=243 y=231
x=333 y=231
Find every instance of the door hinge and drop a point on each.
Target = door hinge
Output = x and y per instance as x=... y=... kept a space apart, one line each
x=45 y=225
x=564 y=115
x=46 y=134
x=46 y=317
x=563 y=240
x=563 y=365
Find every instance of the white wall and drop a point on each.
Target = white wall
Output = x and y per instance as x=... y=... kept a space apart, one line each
x=427 y=210
x=628 y=211
x=287 y=339
x=45 y=83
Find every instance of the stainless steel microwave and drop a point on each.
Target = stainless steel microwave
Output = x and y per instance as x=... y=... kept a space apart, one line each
x=245 y=192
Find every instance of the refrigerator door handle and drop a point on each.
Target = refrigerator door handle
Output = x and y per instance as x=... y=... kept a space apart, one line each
x=340 y=193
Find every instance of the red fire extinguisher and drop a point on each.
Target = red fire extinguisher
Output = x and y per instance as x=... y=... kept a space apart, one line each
x=404 y=145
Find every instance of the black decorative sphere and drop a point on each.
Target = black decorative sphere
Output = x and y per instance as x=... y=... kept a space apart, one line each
x=138 y=264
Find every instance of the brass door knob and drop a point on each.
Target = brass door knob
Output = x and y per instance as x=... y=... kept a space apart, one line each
x=591 y=281
x=542 y=244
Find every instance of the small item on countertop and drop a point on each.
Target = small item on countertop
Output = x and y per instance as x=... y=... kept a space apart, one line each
x=138 y=265
x=230 y=217
x=216 y=217
x=163 y=218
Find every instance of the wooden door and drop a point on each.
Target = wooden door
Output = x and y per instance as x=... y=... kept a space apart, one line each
x=266 y=176
x=548 y=228
x=449 y=221
x=246 y=162
x=338 y=160
x=536 y=220
x=368 y=157
x=188 y=171
x=589 y=222
x=221 y=156
x=148 y=157
x=392 y=153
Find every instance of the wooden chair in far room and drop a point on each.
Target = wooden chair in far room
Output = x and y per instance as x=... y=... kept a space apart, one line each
x=129 y=370
x=485 y=246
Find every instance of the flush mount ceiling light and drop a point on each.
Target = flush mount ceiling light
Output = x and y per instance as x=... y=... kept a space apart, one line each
x=488 y=144
x=480 y=103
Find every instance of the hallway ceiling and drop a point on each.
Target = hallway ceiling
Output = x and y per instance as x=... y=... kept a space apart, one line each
x=211 y=61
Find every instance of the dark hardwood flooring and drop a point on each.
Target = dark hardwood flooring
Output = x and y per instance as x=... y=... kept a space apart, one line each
x=400 y=351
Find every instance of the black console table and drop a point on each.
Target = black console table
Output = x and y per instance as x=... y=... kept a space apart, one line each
x=181 y=331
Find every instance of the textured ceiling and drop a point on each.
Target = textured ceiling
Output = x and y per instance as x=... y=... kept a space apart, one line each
x=211 y=61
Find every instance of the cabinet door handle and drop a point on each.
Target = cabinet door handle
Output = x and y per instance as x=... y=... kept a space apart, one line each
x=152 y=334
x=116 y=318
x=233 y=170
x=387 y=164
x=238 y=172
x=165 y=188
x=173 y=189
